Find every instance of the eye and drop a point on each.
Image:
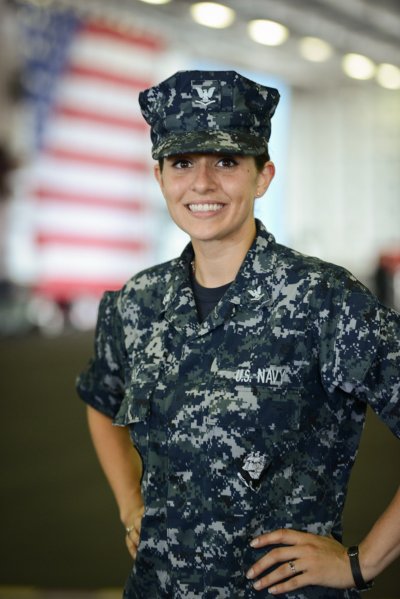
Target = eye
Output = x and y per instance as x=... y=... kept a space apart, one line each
x=227 y=162
x=181 y=163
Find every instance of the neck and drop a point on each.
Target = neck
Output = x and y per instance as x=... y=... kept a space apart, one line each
x=217 y=264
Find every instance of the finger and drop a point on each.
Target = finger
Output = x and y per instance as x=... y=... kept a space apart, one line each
x=288 y=576
x=275 y=556
x=132 y=548
x=296 y=582
x=287 y=536
x=138 y=520
x=134 y=536
x=133 y=532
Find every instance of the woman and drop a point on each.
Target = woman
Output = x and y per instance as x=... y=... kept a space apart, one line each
x=242 y=371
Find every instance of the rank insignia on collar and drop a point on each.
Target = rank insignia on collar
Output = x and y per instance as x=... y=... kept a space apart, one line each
x=256 y=294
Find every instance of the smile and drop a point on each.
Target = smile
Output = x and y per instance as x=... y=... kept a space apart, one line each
x=205 y=207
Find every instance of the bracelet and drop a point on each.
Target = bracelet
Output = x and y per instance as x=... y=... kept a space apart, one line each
x=361 y=584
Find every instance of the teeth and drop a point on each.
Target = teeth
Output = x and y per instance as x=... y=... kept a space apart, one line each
x=204 y=207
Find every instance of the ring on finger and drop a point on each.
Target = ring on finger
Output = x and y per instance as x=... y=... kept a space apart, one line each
x=292 y=568
x=128 y=530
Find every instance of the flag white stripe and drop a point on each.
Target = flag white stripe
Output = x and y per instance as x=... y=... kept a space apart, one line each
x=96 y=139
x=91 y=179
x=114 y=56
x=89 y=263
x=99 y=97
x=98 y=222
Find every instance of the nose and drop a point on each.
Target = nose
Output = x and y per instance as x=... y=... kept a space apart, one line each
x=203 y=178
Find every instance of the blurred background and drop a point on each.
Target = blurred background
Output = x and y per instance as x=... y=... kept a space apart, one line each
x=80 y=213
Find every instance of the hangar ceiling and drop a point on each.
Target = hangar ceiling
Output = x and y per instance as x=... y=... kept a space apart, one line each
x=360 y=26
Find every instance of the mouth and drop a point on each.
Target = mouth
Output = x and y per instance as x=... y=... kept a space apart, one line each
x=205 y=207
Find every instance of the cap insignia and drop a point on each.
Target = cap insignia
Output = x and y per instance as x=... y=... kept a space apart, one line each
x=205 y=93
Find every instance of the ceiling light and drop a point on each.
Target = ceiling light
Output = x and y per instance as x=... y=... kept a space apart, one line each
x=315 y=49
x=41 y=3
x=266 y=32
x=156 y=1
x=212 y=14
x=358 y=66
x=388 y=76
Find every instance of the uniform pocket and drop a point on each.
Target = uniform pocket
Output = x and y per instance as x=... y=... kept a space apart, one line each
x=260 y=419
x=135 y=406
x=256 y=431
x=269 y=443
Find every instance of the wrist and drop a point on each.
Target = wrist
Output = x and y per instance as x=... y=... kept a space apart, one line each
x=131 y=508
x=362 y=581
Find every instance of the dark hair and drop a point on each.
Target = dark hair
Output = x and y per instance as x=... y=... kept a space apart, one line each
x=259 y=160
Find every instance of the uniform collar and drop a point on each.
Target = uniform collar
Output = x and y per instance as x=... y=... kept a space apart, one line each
x=257 y=284
x=179 y=305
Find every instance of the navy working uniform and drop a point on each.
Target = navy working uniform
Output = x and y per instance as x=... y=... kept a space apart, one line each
x=246 y=422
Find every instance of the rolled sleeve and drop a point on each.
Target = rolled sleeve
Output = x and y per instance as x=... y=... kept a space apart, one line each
x=102 y=384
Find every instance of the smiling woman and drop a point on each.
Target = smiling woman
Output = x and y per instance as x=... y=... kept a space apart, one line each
x=211 y=197
x=238 y=376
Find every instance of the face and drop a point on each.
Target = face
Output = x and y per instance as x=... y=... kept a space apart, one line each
x=211 y=196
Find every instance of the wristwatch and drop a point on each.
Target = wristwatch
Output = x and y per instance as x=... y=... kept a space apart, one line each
x=361 y=584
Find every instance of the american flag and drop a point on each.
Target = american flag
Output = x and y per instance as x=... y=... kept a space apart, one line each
x=90 y=181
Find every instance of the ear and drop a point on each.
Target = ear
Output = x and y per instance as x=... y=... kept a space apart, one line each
x=265 y=177
x=158 y=174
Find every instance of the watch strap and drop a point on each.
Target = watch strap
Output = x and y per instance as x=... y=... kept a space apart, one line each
x=360 y=583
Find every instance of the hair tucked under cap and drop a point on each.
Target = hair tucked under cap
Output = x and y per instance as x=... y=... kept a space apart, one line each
x=209 y=111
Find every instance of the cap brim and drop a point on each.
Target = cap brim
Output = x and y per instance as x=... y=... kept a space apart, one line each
x=210 y=142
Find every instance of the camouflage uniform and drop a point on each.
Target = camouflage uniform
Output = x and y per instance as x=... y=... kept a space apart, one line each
x=247 y=422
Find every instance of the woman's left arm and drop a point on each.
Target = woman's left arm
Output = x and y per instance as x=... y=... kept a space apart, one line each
x=308 y=559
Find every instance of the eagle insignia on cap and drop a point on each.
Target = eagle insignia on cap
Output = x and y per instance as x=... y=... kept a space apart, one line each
x=205 y=90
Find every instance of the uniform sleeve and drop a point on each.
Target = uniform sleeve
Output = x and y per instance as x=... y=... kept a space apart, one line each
x=381 y=384
x=361 y=346
x=102 y=384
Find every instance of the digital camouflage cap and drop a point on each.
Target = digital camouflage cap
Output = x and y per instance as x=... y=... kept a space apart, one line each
x=209 y=111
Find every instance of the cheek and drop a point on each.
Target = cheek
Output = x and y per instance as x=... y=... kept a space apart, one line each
x=175 y=208
x=174 y=191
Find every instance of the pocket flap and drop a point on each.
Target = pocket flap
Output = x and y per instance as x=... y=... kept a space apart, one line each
x=135 y=406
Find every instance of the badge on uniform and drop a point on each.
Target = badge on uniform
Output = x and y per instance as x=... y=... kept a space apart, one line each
x=251 y=469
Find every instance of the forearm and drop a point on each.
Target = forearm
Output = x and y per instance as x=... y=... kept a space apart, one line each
x=382 y=544
x=321 y=560
x=120 y=462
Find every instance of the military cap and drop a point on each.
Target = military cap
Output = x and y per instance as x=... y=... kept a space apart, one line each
x=209 y=111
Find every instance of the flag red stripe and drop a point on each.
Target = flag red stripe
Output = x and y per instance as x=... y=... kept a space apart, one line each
x=70 y=289
x=99 y=160
x=86 y=241
x=101 y=75
x=98 y=117
x=47 y=194
x=128 y=36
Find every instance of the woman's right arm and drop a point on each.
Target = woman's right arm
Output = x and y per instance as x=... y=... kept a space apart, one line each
x=122 y=467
